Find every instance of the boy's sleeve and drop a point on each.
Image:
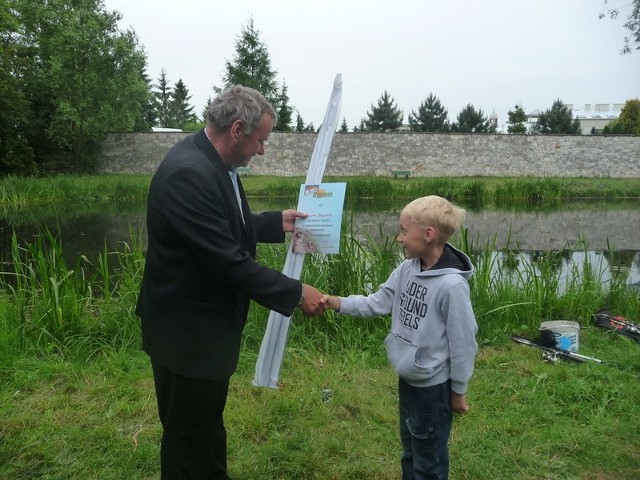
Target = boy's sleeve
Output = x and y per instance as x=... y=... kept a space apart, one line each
x=461 y=332
x=378 y=303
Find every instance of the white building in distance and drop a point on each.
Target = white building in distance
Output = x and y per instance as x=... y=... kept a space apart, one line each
x=594 y=116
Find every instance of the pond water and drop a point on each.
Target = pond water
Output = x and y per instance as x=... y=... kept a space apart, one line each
x=594 y=229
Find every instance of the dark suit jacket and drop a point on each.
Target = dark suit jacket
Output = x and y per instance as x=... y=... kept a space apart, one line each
x=200 y=270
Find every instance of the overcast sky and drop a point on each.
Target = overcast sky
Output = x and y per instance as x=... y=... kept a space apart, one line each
x=492 y=53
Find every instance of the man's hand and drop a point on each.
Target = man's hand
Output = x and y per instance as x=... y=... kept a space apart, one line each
x=289 y=219
x=311 y=305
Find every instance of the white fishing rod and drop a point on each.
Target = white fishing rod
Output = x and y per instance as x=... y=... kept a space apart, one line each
x=271 y=353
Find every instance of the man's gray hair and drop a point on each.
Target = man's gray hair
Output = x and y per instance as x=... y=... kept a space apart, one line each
x=239 y=103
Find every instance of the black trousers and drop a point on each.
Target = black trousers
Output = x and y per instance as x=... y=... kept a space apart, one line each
x=194 y=440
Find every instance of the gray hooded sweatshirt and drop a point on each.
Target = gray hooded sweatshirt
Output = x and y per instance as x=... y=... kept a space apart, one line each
x=433 y=327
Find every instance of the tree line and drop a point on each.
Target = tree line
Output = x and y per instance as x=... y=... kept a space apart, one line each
x=69 y=75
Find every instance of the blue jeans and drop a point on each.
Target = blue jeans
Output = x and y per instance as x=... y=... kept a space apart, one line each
x=425 y=423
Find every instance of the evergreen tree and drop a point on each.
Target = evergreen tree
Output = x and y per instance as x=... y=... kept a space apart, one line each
x=471 y=120
x=385 y=117
x=431 y=116
x=162 y=100
x=557 y=120
x=344 y=128
x=517 y=120
x=363 y=126
x=205 y=110
x=179 y=106
x=251 y=65
x=284 y=111
x=148 y=118
x=299 y=123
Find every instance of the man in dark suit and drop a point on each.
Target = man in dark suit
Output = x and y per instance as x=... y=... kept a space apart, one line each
x=200 y=274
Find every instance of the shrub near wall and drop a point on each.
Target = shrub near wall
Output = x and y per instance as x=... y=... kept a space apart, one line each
x=424 y=154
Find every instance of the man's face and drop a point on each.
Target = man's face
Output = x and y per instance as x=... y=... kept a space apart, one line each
x=250 y=144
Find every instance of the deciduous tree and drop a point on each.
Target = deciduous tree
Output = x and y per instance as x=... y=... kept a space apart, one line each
x=82 y=76
x=628 y=122
x=16 y=156
x=632 y=24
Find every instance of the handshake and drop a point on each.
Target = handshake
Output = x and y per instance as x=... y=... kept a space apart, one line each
x=316 y=303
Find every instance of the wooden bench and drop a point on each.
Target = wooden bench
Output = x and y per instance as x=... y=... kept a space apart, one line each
x=244 y=170
x=400 y=173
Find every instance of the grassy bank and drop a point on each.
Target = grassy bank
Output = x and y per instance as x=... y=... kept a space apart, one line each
x=127 y=189
x=76 y=394
x=77 y=401
x=68 y=419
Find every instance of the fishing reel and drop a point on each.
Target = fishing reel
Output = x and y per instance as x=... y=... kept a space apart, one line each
x=550 y=357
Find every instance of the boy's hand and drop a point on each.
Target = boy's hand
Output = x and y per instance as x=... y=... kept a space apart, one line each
x=330 y=302
x=459 y=403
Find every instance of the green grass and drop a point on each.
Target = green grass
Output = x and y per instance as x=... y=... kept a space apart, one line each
x=22 y=191
x=77 y=399
x=529 y=420
x=132 y=189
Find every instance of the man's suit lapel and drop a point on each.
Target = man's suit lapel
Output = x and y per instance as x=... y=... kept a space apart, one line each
x=204 y=144
x=243 y=200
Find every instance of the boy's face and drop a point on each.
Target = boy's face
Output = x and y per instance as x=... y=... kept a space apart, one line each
x=413 y=237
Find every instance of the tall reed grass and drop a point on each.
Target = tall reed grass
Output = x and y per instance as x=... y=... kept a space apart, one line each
x=22 y=191
x=511 y=292
x=57 y=308
x=18 y=192
x=531 y=191
x=89 y=307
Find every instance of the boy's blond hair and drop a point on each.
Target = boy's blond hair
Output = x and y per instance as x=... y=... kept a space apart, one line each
x=438 y=212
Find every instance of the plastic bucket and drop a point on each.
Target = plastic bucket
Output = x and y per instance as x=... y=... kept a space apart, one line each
x=565 y=333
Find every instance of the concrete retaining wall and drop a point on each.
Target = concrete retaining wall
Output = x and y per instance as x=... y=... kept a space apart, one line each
x=425 y=154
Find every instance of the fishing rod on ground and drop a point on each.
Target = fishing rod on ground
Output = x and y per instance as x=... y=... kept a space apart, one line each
x=553 y=354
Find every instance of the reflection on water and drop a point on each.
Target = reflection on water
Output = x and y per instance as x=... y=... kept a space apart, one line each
x=569 y=265
x=587 y=235
x=591 y=229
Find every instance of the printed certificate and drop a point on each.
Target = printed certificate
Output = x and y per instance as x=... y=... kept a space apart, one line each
x=320 y=231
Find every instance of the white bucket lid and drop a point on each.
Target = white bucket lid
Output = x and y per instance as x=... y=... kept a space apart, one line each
x=553 y=324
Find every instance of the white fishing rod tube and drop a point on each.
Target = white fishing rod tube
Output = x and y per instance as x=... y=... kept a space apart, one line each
x=271 y=353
